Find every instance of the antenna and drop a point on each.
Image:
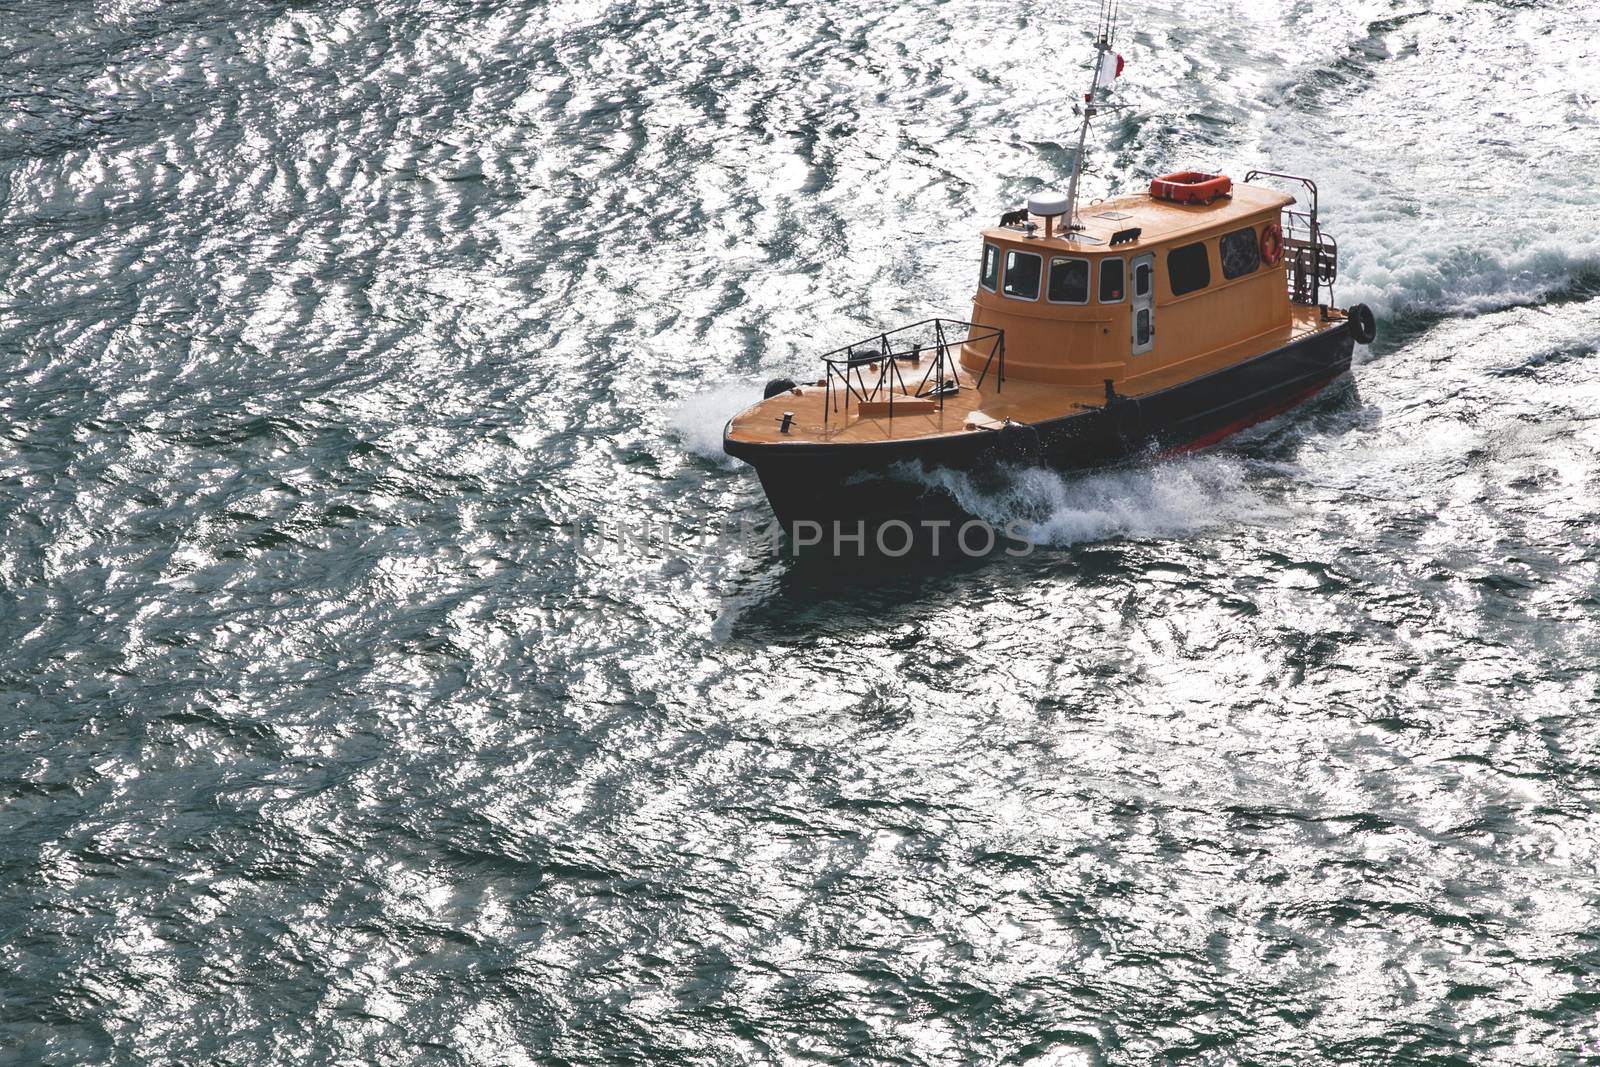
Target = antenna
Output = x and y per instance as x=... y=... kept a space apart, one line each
x=1109 y=20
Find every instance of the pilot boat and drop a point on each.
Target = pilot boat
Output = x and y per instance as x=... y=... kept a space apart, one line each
x=1146 y=325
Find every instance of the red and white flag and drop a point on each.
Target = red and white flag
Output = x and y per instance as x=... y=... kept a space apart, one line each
x=1110 y=70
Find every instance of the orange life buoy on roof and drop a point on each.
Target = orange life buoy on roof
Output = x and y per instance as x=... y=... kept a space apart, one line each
x=1272 y=244
x=1191 y=187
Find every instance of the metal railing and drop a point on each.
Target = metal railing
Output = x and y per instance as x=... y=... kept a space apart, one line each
x=1310 y=253
x=870 y=369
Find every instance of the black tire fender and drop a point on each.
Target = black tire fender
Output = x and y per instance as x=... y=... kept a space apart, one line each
x=1363 y=324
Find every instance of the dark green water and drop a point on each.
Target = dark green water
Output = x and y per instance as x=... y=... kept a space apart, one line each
x=323 y=325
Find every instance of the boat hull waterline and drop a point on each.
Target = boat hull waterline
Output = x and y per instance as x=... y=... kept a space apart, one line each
x=817 y=487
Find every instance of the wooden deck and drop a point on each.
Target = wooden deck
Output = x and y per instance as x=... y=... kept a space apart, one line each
x=973 y=409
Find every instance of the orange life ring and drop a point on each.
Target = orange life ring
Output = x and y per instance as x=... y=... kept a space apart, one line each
x=1272 y=244
x=1191 y=187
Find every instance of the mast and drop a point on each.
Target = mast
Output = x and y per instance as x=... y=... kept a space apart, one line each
x=1109 y=10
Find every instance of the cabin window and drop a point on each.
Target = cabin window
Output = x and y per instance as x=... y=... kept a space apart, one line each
x=1241 y=254
x=1141 y=278
x=990 y=278
x=1113 y=275
x=1141 y=328
x=1188 y=269
x=1022 y=275
x=1069 y=281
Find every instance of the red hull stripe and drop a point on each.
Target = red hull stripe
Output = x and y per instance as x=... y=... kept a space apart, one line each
x=1219 y=435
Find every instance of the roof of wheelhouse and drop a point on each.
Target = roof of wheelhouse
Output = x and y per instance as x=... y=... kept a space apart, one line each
x=1160 y=221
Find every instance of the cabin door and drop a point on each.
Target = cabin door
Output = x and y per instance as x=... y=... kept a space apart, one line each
x=1144 y=304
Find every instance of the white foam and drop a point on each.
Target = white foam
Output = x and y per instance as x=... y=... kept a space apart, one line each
x=1410 y=250
x=1452 y=149
x=1399 y=266
x=698 y=420
x=1173 y=498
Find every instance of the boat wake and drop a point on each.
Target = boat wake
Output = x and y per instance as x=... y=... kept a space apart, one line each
x=1443 y=205
x=1172 y=498
x=1406 y=270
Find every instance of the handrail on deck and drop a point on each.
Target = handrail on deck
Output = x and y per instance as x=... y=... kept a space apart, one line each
x=1311 y=254
x=883 y=354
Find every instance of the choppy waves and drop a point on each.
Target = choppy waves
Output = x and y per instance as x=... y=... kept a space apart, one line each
x=1449 y=144
x=322 y=327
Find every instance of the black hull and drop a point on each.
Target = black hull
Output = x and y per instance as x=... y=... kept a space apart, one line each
x=830 y=484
